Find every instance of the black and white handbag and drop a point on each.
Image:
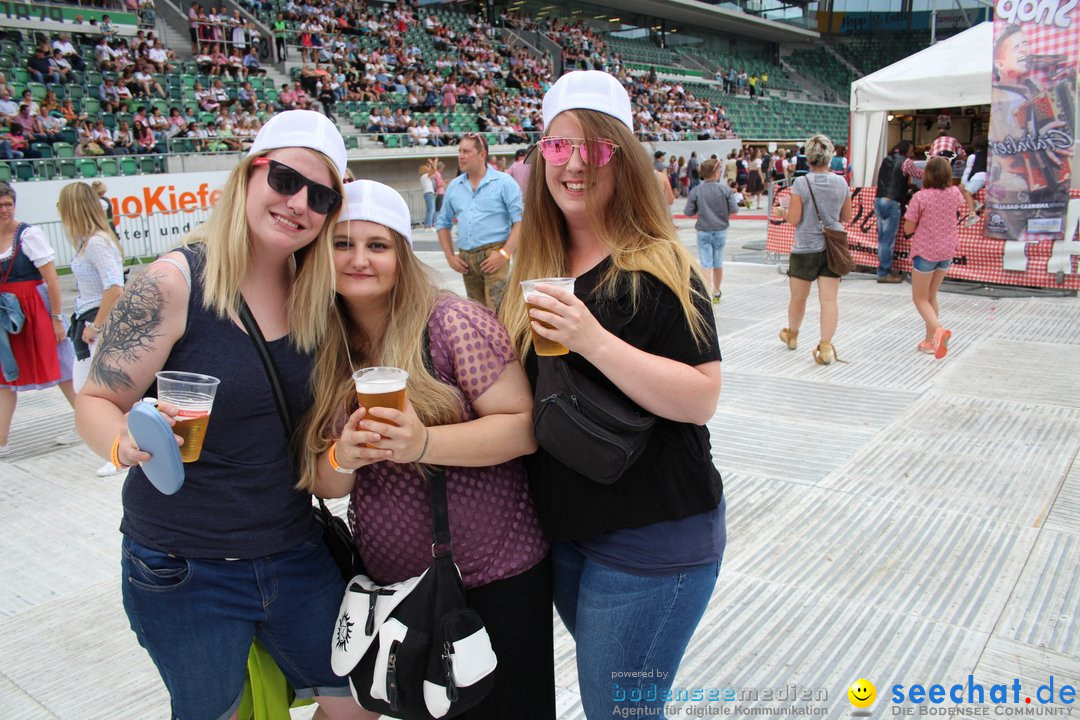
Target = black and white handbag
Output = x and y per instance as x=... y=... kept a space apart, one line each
x=414 y=649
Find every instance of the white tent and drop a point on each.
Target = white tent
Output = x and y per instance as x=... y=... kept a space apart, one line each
x=952 y=73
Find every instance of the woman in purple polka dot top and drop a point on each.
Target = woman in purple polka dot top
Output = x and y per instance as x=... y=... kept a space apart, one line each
x=469 y=409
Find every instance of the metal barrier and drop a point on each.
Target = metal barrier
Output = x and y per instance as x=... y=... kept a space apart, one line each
x=141 y=236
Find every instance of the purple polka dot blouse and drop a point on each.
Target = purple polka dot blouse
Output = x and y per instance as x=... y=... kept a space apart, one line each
x=496 y=534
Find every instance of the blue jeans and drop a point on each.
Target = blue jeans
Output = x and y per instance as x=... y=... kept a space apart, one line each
x=429 y=209
x=631 y=630
x=887 y=213
x=196 y=618
x=710 y=246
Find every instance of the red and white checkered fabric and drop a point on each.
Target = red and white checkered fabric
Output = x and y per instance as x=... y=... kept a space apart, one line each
x=979 y=258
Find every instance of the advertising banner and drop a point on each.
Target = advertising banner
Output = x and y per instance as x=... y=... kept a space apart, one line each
x=151 y=212
x=1033 y=118
x=979 y=258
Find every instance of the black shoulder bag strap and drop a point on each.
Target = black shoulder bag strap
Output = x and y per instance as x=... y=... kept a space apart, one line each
x=440 y=513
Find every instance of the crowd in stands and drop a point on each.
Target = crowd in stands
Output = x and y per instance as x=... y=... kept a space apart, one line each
x=404 y=74
x=664 y=110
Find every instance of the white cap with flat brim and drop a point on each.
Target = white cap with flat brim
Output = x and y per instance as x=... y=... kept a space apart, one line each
x=302 y=128
x=588 y=90
x=377 y=203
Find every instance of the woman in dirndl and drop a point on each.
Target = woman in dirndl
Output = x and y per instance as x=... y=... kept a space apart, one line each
x=41 y=350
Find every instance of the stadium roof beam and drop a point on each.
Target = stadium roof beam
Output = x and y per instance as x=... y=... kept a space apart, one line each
x=691 y=14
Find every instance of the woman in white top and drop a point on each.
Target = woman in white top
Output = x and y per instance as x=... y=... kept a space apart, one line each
x=98 y=269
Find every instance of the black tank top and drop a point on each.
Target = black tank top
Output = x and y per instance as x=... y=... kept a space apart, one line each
x=237 y=500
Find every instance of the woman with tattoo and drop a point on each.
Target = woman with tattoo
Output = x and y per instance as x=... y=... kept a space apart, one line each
x=234 y=554
x=40 y=355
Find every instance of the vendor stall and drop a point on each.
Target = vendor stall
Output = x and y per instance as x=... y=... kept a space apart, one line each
x=953 y=73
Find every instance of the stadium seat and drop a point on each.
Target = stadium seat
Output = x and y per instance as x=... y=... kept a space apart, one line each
x=63 y=149
x=5 y=172
x=108 y=166
x=69 y=169
x=37 y=90
x=24 y=170
x=128 y=165
x=45 y=149
x=46 y=169
x=148 y=165
x=88 y=167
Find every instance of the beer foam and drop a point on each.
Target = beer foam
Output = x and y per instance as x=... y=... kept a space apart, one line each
x=379 y=385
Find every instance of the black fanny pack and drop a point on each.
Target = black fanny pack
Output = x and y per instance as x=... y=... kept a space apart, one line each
x=591 y=429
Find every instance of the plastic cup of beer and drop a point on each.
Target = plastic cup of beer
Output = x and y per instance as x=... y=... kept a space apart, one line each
x=542 y=345
x=785 y=201
x=194 y=395
x=382 y=387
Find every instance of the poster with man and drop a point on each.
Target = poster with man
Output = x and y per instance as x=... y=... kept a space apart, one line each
x=1033 y=118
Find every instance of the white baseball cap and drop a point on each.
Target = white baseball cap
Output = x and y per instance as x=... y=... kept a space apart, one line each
x=588 y=90
x=302 y=128
x=377 y=203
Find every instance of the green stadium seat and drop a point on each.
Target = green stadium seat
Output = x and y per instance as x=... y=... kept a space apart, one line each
x=64 y=149
x=5 y=172
x=69 y=169
x=45 y=149
x=128 y=165
x=46 y=169
x=37 y=90
x=108 y=166
x=88 y=167
x=24 y=170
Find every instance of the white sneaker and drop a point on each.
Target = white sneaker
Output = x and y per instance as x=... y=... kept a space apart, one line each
x=69 y=438
x=4 y=450
x=107 y=469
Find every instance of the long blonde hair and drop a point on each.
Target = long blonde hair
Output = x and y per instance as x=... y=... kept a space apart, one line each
x=409 y=307
x=228 y=249
x=634 y=227
x=82 y=215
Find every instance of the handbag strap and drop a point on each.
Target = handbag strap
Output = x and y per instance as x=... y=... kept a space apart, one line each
x=814 y=200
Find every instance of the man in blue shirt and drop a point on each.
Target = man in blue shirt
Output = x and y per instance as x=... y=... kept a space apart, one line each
x=488 y=206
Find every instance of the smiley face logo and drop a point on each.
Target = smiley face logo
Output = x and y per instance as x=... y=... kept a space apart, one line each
x=862 y=693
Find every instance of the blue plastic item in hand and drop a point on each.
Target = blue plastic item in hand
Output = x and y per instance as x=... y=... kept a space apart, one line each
x=153 y=435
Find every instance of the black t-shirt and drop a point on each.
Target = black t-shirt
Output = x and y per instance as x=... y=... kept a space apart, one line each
x=675 y=477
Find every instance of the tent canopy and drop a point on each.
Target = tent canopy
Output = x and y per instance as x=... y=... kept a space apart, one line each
x=952 y=73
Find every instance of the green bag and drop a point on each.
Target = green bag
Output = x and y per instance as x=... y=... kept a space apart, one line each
x=267 y=694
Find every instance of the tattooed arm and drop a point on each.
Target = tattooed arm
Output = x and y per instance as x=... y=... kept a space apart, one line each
x=139 y=334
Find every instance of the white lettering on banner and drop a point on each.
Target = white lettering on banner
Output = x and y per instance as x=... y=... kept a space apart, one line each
x=1041 y=12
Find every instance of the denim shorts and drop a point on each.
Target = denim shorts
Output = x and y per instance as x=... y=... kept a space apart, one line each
x=923 y=265
x=196 y=618
x=710 y=246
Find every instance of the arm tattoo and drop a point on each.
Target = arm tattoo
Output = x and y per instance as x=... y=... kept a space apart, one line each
x=133 y=327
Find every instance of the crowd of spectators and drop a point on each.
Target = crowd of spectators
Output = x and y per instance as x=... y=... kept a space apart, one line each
x=412 y=85
x=663 y=109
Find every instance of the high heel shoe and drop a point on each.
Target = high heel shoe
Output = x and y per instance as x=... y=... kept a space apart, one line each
x=825 y=354
x=790 y=338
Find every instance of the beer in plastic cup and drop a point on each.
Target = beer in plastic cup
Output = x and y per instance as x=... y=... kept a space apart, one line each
x=382 y=387
x=194 y=395
x=785 y=201
x=542 y=345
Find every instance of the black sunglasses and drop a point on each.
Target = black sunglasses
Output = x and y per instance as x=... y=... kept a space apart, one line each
x=283 y=179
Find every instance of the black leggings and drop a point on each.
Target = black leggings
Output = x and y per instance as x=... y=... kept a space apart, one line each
x=517 y=612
